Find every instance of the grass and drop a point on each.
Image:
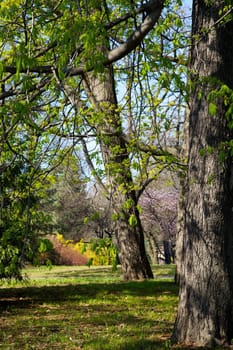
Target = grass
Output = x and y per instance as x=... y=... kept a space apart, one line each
x=69 y=308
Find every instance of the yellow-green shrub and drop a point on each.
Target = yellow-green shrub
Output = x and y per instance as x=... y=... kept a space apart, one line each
x=98 y=251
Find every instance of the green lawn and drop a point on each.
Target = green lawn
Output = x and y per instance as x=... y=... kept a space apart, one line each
x=69 y=308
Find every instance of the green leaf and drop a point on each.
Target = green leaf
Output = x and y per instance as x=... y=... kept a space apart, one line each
x=222 y=156
x=85 y=220
x=133 y=220
x=212 y=109
x=115 y=216
x=129 y=203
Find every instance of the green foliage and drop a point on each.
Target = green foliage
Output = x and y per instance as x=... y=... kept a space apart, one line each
x=218 y=97
x=9 y=261
x=133 y=220
x=46 y=108
x=21 y=221
x=43 y=250
x=213 y=109
x=71 y=39
x=226 y=12
x=129 y=203
x=106 y=251
x=206 y=151
x=222 y=94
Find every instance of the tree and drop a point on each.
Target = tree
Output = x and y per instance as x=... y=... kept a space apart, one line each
x=205 y=311
x=67 y=200
x=159 y=214
x=100 y=218
x=21 y=220
x=24 y=151
x=62 y=63
x=78 y=210
x=116 y=160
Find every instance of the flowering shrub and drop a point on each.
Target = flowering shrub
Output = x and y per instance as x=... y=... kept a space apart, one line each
x=96 y=252
x=65 y=254
x=100 y=252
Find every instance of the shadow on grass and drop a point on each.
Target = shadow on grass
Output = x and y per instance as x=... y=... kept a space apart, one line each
x=26 y=295
x=135 y=345
x=130 y=313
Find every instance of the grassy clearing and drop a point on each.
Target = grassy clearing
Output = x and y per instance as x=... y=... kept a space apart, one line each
x=69 y=308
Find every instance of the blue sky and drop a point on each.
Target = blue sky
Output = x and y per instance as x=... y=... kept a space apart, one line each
x=188 y=3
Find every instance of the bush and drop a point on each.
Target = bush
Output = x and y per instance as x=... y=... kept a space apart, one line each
x=97 y=252
x=65 y=254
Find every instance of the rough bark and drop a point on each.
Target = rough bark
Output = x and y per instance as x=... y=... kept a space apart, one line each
x=181 y=202
x=205 y=310
x=129 y=237
x=152 y=246
x=132 y=254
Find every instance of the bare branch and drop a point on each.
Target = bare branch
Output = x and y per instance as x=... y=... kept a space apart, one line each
x=91 y=165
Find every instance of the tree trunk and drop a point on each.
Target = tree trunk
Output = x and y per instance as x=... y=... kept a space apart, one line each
x=205 y=310
x=153 y=248
x=129 y=232
x=167 y=252
x=131 y=247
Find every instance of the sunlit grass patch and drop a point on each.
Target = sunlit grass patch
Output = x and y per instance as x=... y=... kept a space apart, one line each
x=91 y=309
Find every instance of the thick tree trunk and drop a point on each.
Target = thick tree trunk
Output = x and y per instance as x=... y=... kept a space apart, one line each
x=131 y=247
x=129 y=232
x=205 y=310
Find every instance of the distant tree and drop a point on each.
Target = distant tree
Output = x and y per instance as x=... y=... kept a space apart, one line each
x=101 y=217
x=78 y=211
x=67 y=200
x=159 y=215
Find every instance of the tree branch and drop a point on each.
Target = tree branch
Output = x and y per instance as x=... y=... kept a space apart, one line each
x=154 y=12
x=153 y=9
